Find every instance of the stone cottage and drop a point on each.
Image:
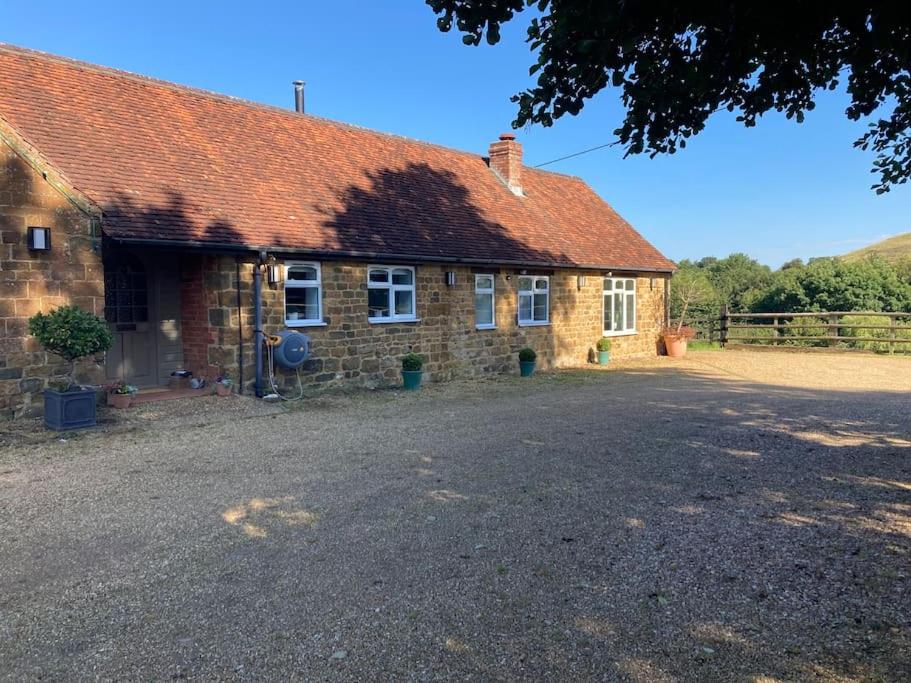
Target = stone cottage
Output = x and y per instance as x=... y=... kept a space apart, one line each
x=173 y=212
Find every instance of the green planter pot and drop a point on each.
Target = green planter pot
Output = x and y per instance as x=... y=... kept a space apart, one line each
x=411 y=379
x=603 y=357
x=526 y=368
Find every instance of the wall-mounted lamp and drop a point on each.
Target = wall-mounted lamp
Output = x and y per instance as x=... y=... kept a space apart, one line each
x=580 y=281
x=450 y=278
x=651 y=283
x=39 y=239
x=274 y=273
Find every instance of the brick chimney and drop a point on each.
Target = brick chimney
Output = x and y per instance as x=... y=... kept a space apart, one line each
x=506 y=161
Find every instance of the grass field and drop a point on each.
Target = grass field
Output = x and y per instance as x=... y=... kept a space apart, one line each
x=892 y=249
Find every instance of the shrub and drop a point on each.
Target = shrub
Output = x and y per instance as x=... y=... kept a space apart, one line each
x=412 y=362
x=71 y=333
x=527 y=355
x=870 y=344
x=603 y=344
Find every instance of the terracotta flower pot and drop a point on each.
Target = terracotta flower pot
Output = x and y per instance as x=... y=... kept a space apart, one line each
x=223 y=389
x=675 y=345
x=120 y=400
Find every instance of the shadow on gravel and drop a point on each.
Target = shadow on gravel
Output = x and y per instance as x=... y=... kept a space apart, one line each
x=789 y=513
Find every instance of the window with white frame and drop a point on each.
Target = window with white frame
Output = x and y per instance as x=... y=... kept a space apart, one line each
x=303 y=294
x=390 y=293
x=484 y=302
x=534 y=299
x=619 y=305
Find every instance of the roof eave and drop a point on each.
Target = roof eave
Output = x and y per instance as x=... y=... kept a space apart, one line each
x=228 y=248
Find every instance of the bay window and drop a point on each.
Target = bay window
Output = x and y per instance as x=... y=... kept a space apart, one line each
x=303 y=294
x=534 y=300
x=619 y=306
x=390 y=294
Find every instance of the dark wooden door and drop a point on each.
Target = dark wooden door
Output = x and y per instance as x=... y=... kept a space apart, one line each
x=129 y=309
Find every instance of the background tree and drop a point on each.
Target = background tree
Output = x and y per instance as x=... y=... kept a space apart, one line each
x=831 y=284
x=676 y=64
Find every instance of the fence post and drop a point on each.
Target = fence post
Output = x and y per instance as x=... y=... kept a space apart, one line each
x=724 y=324
x=832 y=331
x=891 y=334
x=775 y=329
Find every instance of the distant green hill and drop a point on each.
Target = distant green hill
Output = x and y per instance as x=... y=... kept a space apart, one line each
x=892 y=249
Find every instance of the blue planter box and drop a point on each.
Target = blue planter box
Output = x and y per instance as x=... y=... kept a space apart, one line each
x=526 y=368
x=603 y=357
x=64 y=410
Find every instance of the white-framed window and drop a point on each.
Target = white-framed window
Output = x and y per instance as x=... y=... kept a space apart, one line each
x=303 y=294
x=534 y=300
x=485 y=316
x=390 y=294
x=619 y=306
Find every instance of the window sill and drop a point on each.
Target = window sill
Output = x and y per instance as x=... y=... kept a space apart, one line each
x=624 y=333
x=304 y=323
x=535 y=323
x=389 y=321
x=485 y=327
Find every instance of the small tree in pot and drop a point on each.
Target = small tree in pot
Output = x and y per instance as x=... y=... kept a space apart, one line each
x=412 y=365
x=527 y=358
x=688 y=287
x=72 y=334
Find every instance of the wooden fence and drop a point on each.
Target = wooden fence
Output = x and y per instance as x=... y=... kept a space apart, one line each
x=862 y=329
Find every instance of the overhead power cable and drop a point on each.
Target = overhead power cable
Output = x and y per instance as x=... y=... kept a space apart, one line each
x=570 y=156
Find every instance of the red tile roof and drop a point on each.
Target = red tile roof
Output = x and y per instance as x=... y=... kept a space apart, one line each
x=171 y=163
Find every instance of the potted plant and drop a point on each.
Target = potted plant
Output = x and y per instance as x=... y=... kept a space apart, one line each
x=603 y=346
x=71 y=333
x=120 y=395
x=411 y=370
x=687 y=287
x=527 y=359
x=676 y=338
x=224 y=385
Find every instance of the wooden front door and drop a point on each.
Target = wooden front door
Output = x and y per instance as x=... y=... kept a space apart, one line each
x=129 y=308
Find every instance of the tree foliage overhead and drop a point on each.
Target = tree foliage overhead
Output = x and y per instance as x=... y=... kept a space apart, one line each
x=677 y=63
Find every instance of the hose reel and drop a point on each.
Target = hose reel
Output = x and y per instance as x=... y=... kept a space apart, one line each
x=289 y=349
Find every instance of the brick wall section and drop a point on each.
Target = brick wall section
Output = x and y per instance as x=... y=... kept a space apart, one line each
x=351 y=350
x=70 y=273
x=196 y=335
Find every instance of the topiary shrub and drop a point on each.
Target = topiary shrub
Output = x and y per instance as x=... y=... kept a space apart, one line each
x=603 y=344
x=527 y=355
x=71 y=333
x=412 y=362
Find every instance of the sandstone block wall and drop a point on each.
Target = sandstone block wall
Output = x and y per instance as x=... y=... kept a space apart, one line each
x=70 y=273
x=348 y=348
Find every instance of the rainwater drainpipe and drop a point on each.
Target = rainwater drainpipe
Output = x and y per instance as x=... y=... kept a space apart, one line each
x=258 y=322
x=240 y=332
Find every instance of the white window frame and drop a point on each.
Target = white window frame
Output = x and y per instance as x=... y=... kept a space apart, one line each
x=531 y=293
x=393 y=288
x=492 y=292
x=609 y=295
x=304 y=284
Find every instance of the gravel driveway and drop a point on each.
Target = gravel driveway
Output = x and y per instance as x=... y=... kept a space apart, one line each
x=734 y=516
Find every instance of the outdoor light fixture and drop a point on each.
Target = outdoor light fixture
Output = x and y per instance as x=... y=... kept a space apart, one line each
x=39 y=239
x=580 y=281
x=651 y=283
x=274 y=273
x=450 y=278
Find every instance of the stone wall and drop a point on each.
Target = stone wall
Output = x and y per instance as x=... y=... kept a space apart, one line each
x=350 y=349
x=70 y=273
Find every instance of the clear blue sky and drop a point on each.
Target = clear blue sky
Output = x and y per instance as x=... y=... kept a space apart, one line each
x=778 y=191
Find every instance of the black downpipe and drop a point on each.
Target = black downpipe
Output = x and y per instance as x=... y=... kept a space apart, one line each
x=258 y=327
x=240 y=334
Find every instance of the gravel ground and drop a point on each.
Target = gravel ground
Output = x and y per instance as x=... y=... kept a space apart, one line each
x=733 y=516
